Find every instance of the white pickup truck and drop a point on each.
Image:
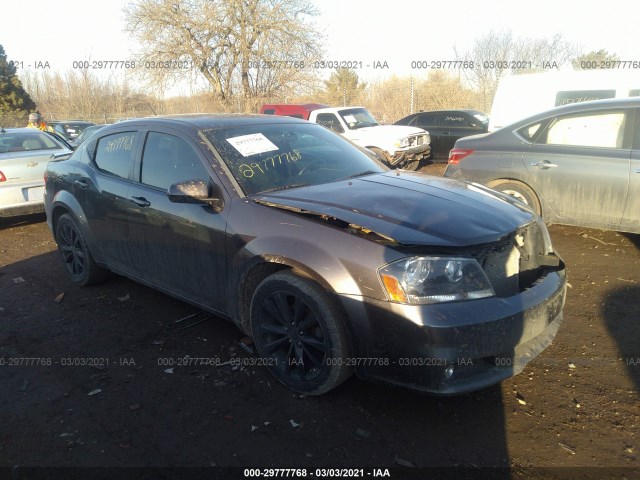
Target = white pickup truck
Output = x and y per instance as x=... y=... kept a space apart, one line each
x=399 y=146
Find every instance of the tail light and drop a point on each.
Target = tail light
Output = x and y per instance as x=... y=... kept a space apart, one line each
x=2 y=177
x=458 y=154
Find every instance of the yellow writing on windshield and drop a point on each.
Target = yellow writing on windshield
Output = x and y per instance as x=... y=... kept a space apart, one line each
x=248 y=170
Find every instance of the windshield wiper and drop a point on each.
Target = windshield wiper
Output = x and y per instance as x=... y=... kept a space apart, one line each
x=285 y=187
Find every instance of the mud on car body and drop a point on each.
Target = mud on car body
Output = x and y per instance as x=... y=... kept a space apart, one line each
x=332 y=262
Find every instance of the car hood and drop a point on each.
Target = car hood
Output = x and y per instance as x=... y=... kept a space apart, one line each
x=410 y=208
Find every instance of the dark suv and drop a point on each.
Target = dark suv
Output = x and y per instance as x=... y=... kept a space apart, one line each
x=70 y=129
x=447 y=126
x=332 y=262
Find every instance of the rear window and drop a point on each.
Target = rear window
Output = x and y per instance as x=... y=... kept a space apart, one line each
x=22 y=142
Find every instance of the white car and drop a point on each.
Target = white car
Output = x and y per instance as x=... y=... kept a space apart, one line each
x=24 y=155
x=399 y=146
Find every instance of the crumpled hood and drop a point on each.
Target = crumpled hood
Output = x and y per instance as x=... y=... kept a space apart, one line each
x=411 y=208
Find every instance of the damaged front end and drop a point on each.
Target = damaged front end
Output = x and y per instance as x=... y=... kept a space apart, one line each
x=455 y=318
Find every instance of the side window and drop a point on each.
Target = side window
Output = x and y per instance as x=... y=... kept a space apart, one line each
x=636 y=133
x=330 y=121
x=604 y=130
x=168 y=159
x=114 y=153
x=455 y=120
x=427 y=120
x=529 y=132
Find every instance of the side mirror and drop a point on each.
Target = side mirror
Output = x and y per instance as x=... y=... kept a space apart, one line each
x=196 y=191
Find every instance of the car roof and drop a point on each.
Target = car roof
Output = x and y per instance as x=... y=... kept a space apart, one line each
x=608 y=103
x=72 y=121
x=465 y=110
x=205 y=121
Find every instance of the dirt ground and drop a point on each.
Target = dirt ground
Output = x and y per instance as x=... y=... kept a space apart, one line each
x=101 y=377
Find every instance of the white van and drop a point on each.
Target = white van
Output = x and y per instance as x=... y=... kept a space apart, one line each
x=519 y=96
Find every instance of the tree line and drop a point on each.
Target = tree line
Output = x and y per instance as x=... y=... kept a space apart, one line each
x=249 y=52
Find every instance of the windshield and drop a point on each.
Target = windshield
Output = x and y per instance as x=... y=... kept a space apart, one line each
x=268 y=157
x=482 y=117
x=358 y=118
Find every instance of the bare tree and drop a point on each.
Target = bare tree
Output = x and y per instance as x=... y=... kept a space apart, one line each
x=497 y=53
x=252 y=46
x=79 y=94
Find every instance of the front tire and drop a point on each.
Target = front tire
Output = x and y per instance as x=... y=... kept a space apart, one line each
x=75 y=253
x=519 y=190
x=299 y=332
x=413 y=165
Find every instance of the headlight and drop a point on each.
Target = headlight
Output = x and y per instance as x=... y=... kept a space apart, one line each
x=422 y=280
x=403 y=143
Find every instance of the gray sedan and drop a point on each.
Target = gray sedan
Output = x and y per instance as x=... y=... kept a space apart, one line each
x=24 y=154
x=575 y=165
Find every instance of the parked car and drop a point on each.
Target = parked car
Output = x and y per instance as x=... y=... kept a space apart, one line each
x=447 y=126
x=329 y=260
x=86 y=133
x=397 y=146
x=24 y=153
x=576 y=165
x=61 y=139
x=291 y=110
x=69 y=129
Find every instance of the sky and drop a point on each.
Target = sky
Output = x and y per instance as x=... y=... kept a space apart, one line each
x=397 y=32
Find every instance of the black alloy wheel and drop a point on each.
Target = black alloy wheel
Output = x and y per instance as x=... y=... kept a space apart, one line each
x=75 y=254
x=299 y=333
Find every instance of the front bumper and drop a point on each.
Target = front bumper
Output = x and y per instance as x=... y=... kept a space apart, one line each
x=410 y=154
x=456 y=347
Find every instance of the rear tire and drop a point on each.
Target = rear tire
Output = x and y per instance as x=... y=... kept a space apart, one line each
x=299 y=333
x=75 y=253
x=520 y=191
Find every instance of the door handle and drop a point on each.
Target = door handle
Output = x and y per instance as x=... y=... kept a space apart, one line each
x=32 y=164
x=544 y=164
x=81 y=183
x=637 y=170
x=140 y=201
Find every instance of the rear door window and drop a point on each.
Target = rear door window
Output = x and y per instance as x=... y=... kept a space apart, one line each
x=593 y=129
x=330 y=121
x=455 y=120
x=114 y=153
